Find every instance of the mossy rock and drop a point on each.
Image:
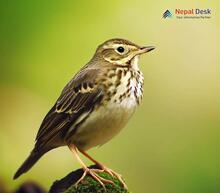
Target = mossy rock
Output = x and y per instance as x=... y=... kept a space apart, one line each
x=88 y=185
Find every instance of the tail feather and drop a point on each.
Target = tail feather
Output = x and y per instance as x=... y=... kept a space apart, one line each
x=28 y=163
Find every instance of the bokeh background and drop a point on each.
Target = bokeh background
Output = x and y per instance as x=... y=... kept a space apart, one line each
x=171 y=145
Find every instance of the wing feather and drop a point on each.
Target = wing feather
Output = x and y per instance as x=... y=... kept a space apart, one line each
x=79 y=96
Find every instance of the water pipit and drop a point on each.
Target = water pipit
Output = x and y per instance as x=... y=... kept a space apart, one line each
x=94 y=106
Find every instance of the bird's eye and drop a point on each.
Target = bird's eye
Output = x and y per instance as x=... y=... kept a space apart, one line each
x=120 y=49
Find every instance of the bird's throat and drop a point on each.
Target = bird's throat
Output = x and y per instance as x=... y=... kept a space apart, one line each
x=134 y=62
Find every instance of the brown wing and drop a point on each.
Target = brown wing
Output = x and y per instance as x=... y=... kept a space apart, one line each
x=80 y=95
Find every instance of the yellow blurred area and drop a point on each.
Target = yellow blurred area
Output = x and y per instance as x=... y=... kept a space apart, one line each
x=171 y=145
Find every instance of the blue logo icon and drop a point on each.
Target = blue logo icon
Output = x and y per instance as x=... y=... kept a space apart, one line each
x=167 y=14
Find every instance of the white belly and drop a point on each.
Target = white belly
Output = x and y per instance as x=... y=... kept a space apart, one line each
x=103 y=124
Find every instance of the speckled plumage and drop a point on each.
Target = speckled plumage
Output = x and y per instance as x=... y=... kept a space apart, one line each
x=115 y=109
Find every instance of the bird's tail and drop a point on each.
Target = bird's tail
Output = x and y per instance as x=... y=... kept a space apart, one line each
x=28 y=163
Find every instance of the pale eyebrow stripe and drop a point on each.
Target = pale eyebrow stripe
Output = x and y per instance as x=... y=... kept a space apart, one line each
x=117 y=45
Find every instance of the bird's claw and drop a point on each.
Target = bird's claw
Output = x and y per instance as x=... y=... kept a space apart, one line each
x=93 y=173
x=114 y=174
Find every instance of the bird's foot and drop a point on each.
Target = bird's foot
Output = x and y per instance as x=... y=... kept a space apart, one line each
x=93 y=173
x=113 y=174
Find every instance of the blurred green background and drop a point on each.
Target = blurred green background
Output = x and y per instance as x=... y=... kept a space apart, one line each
x=171 y=145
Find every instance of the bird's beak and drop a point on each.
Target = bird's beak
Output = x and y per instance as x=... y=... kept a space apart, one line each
x=143 y=50
x=146 y=49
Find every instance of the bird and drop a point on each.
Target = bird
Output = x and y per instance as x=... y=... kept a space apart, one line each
x=93 y=107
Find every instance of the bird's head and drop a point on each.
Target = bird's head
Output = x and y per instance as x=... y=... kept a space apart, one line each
x=121 y=52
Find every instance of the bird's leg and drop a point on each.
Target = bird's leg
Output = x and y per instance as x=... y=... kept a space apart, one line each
x=105 y=169
x=87 y=170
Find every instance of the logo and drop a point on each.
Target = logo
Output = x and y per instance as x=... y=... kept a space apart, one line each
x=167 y=14
x=192 y=13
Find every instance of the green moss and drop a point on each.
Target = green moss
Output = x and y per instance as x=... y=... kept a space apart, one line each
x=87 y=185
x=90 y=185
